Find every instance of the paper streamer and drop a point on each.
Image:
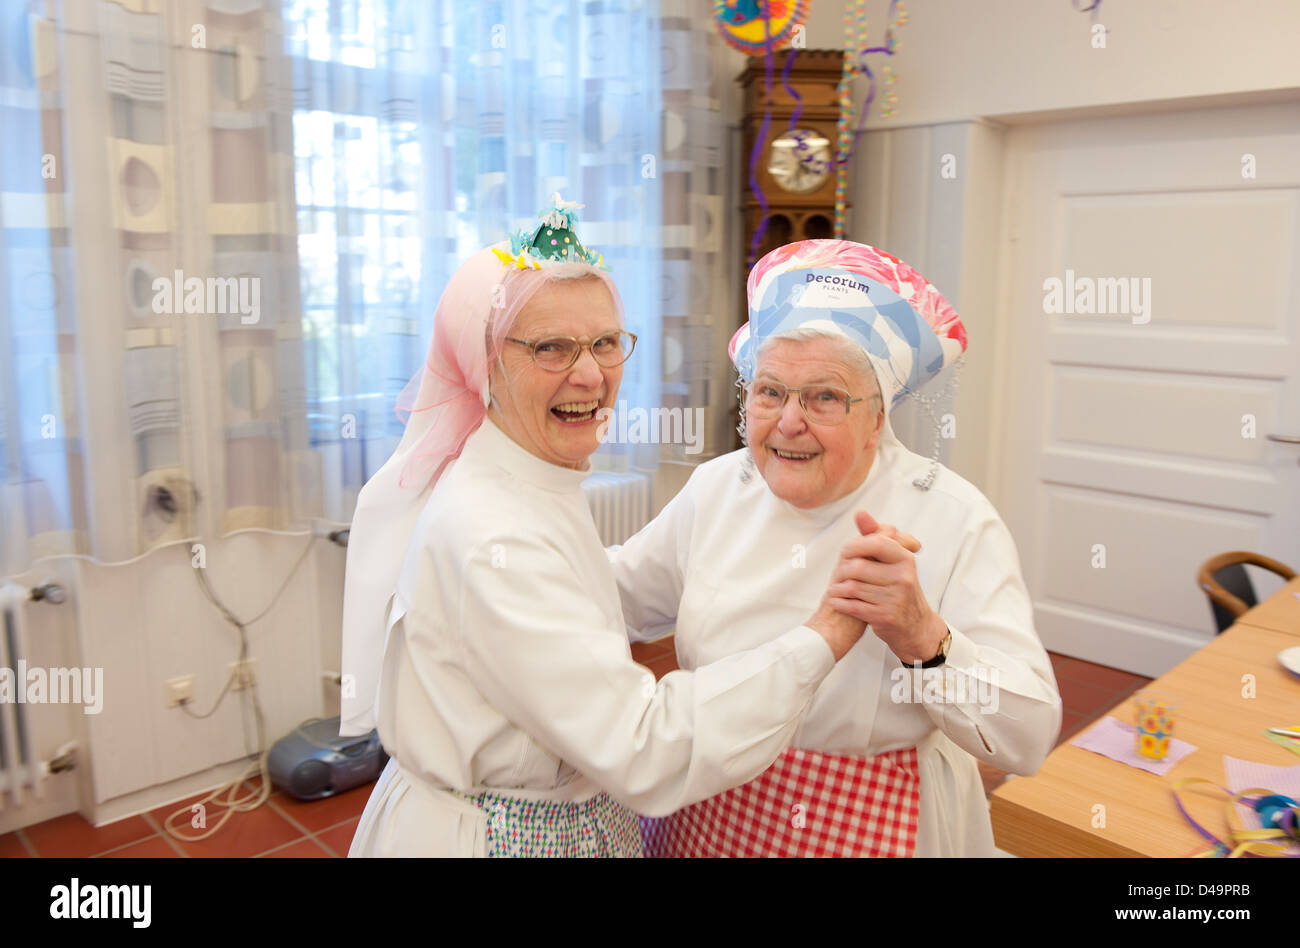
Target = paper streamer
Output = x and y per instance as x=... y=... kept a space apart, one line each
x=855 y=38
x=738 y=22
x=758 y=148
x=1241 y=841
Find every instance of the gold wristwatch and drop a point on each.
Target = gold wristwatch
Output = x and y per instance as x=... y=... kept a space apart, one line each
x=943 y=651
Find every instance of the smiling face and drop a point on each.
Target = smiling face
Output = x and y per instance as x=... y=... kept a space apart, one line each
x=829 y=460
x=556 y=415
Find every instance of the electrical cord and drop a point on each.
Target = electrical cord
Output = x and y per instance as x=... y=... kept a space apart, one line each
x=338 y=536
x=252 y=800
x=207 y=591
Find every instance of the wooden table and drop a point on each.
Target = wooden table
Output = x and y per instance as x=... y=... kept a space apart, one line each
x=1279 y=612
x=1053 y=812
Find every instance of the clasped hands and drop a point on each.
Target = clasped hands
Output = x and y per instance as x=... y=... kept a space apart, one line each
x=874 y=583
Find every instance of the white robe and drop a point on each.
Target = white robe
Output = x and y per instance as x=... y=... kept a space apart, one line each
x=729 y=566
x=507 y=666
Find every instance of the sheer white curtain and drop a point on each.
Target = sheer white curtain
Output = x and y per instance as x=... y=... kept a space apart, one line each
x=425 y=130
x=341 y=157
x=701 y=299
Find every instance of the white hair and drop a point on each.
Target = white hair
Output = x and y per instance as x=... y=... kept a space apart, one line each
x=569 y=270
x=851 y=354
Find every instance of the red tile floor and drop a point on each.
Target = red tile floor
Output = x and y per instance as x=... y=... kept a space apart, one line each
x=285 y=827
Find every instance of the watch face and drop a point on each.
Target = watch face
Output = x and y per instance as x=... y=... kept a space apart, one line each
x=800 y=160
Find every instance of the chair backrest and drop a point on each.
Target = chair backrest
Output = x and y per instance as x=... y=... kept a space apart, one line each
x=1235 y=580
x=1225 y=581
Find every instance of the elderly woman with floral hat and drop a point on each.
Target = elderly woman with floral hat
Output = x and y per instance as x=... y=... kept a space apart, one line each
x=884 y=761
x=483 y=632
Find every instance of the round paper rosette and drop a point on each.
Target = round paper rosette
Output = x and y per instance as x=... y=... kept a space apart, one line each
x=741 y=23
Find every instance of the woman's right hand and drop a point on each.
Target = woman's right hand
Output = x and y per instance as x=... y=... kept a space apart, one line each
x=840 y=631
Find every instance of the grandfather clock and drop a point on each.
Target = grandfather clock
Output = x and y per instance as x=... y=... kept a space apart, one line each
x=795 y=170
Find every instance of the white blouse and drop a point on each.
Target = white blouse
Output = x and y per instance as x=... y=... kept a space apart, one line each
x=507 y=667
x=729 y=565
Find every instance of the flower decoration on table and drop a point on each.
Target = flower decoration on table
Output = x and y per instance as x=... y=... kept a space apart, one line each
x=553 y=241
x=856 y=63
x=756 y=27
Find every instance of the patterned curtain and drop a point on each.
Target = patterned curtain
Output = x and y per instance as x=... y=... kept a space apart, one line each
x=225 y=224
x=150 y=340
x=697 y=301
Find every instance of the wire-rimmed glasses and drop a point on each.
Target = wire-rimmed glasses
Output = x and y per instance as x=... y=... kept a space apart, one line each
x=559 y=353
x=821 y=404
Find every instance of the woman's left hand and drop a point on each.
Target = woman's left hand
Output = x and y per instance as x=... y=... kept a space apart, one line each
x=875 y=581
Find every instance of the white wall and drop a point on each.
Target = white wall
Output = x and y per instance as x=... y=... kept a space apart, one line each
x=959 y=59
x=948 y=228
x=148 y=621
x=966 y=70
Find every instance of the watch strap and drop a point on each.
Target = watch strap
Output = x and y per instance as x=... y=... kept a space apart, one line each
x=942 y=657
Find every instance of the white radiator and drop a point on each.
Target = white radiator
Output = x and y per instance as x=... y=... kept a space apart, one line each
x=20 y=767
x=620 y=504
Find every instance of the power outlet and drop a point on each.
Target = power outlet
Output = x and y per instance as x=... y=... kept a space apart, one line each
x=177 y=691
x=243 y=674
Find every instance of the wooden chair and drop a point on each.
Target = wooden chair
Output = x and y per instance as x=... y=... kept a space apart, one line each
x=1226 y=582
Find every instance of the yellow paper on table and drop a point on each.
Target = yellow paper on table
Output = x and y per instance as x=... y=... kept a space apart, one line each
x=1290 y=743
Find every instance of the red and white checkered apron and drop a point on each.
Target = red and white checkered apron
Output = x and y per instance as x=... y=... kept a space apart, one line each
x=805 y=804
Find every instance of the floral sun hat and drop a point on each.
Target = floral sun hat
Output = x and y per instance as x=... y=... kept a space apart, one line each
x=906 y=325
x=909 y=331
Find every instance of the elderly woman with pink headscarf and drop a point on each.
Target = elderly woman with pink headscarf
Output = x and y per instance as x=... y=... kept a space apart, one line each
x=884 y=762
x=483 y=630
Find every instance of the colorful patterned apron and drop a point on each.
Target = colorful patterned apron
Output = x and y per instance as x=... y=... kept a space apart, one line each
x=805 y=804
x=599 y=826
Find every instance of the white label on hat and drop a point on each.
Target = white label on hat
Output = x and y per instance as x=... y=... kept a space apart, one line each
x=828 y=290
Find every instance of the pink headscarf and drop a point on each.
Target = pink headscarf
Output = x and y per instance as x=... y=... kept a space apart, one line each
x=445 y=402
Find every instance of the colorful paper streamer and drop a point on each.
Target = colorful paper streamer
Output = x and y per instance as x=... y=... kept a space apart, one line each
x=855 y=63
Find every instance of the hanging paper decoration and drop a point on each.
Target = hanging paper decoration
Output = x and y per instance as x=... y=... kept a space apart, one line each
x=890 y=99
x=757 y=27
x=757 y=240
x=856 y=52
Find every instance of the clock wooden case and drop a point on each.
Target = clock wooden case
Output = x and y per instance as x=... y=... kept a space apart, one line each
x=795 y=170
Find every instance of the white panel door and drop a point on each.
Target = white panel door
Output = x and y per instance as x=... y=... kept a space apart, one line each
x=1151 y=310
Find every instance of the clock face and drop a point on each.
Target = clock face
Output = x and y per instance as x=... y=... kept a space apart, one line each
x=800 y=160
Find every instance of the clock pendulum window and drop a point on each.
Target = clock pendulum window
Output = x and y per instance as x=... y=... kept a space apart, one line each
x=796 y=165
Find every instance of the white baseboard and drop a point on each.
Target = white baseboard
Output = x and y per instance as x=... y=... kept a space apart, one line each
x=1118 y=642
x=150 y=798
